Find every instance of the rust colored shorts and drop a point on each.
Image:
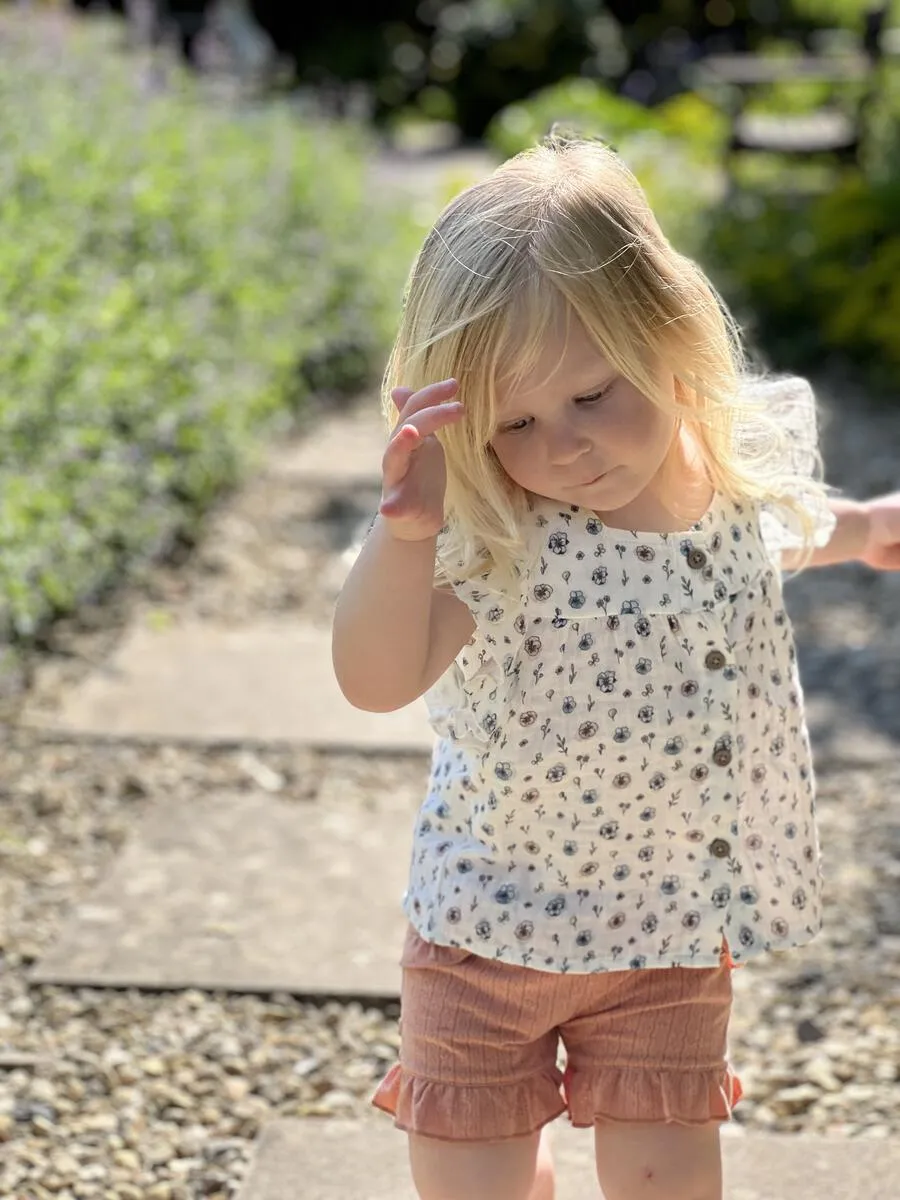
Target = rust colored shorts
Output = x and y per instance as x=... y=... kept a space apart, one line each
x=479 y=1046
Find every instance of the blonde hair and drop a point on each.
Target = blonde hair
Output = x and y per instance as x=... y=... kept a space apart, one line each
x=565 y=229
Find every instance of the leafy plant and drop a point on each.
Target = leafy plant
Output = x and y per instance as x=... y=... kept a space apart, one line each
x=176 y=278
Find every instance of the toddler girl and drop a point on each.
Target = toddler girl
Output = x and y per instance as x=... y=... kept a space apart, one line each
x=588 y=500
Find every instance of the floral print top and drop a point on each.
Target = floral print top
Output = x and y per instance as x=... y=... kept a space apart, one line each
x=622 y=776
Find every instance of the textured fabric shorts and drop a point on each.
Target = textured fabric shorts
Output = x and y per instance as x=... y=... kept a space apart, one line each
x=480 y=1046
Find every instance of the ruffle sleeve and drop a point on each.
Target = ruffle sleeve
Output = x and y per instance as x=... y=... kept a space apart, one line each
x=461 y=702
x=792 y=403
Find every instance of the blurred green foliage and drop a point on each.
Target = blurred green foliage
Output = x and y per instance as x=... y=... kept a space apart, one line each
x=176 y=278
x=810 y=273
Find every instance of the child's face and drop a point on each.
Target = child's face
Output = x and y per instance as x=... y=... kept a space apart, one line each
x=554 y=439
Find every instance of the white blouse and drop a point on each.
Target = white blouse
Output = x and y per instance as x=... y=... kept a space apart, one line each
x=622 y=776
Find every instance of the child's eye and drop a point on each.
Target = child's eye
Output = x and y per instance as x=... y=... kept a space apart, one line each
x=515 y=426
x=593 y=397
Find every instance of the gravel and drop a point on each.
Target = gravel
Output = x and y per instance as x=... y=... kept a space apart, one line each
x=136 y=1095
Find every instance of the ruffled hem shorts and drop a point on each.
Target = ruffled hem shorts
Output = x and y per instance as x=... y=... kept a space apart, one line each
x=479 y=1046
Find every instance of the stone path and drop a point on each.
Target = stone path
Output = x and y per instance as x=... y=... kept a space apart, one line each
x=370 y=1164
x=215 y=685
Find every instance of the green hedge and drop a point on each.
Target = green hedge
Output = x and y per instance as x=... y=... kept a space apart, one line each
x=176 y=277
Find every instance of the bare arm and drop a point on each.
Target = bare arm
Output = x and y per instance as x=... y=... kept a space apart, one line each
x=394 y=633
x=848 y=542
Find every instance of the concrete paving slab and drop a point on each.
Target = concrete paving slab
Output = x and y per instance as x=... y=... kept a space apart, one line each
x=344 y=451
x=198 y=682
x=356 y=1160
x=250 y=893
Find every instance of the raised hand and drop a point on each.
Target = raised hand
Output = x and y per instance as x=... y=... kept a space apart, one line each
x=414 y=474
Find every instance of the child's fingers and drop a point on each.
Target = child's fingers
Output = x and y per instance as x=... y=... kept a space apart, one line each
x=432 y=393
x=400 y=395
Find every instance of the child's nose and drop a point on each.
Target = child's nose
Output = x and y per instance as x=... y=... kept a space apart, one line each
x=567 y=445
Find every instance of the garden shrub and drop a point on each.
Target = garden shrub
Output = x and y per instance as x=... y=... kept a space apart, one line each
x=176 y=277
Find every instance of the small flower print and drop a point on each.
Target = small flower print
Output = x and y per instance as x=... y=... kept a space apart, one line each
x=642 y=627
x=699 y=773
x=616 y=921
x=570 y=848
x=643 y=666
x=483 y=930
x=754 y=842
x=530 y=796
x=576 y=599
x=532 y=848
x=630 y=608
x=589 y=797
x=690 y=687
x=645 y=714
x=556 y=773
x=657 y=780
x=612 y=623
x=673 y=745
x=645 y=553
x=558 y=543
x=504 y=770
x=599 y=576
x=798 y=899
x=780 y=927
x=748 y=894
x=524 y=930
x=506 y=893
x=586 y=641
x=645 y=854
x=532 y=645
x=638 y=962
x=454 y=916
x=589 y=868
x=647 y=814
x=622 y=780
x=695 y=835
x=746 y=936
x=606 y=681
x=494 y=614
x=569 y=705
x=691 y=919
x=583 y=938
x=592 y=525
x=464 y=866
x=622 y=734
x=555 y=906
x=621 y=872
x=609 y=830
x=587 y=729
x=670 y=885
x=721 y=896
x=650 y=923
x=542 y=591
x=527 y=718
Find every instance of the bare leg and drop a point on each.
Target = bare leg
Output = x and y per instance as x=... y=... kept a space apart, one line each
x=544 y=1181
x=658 y=1160
x=514 y=1169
